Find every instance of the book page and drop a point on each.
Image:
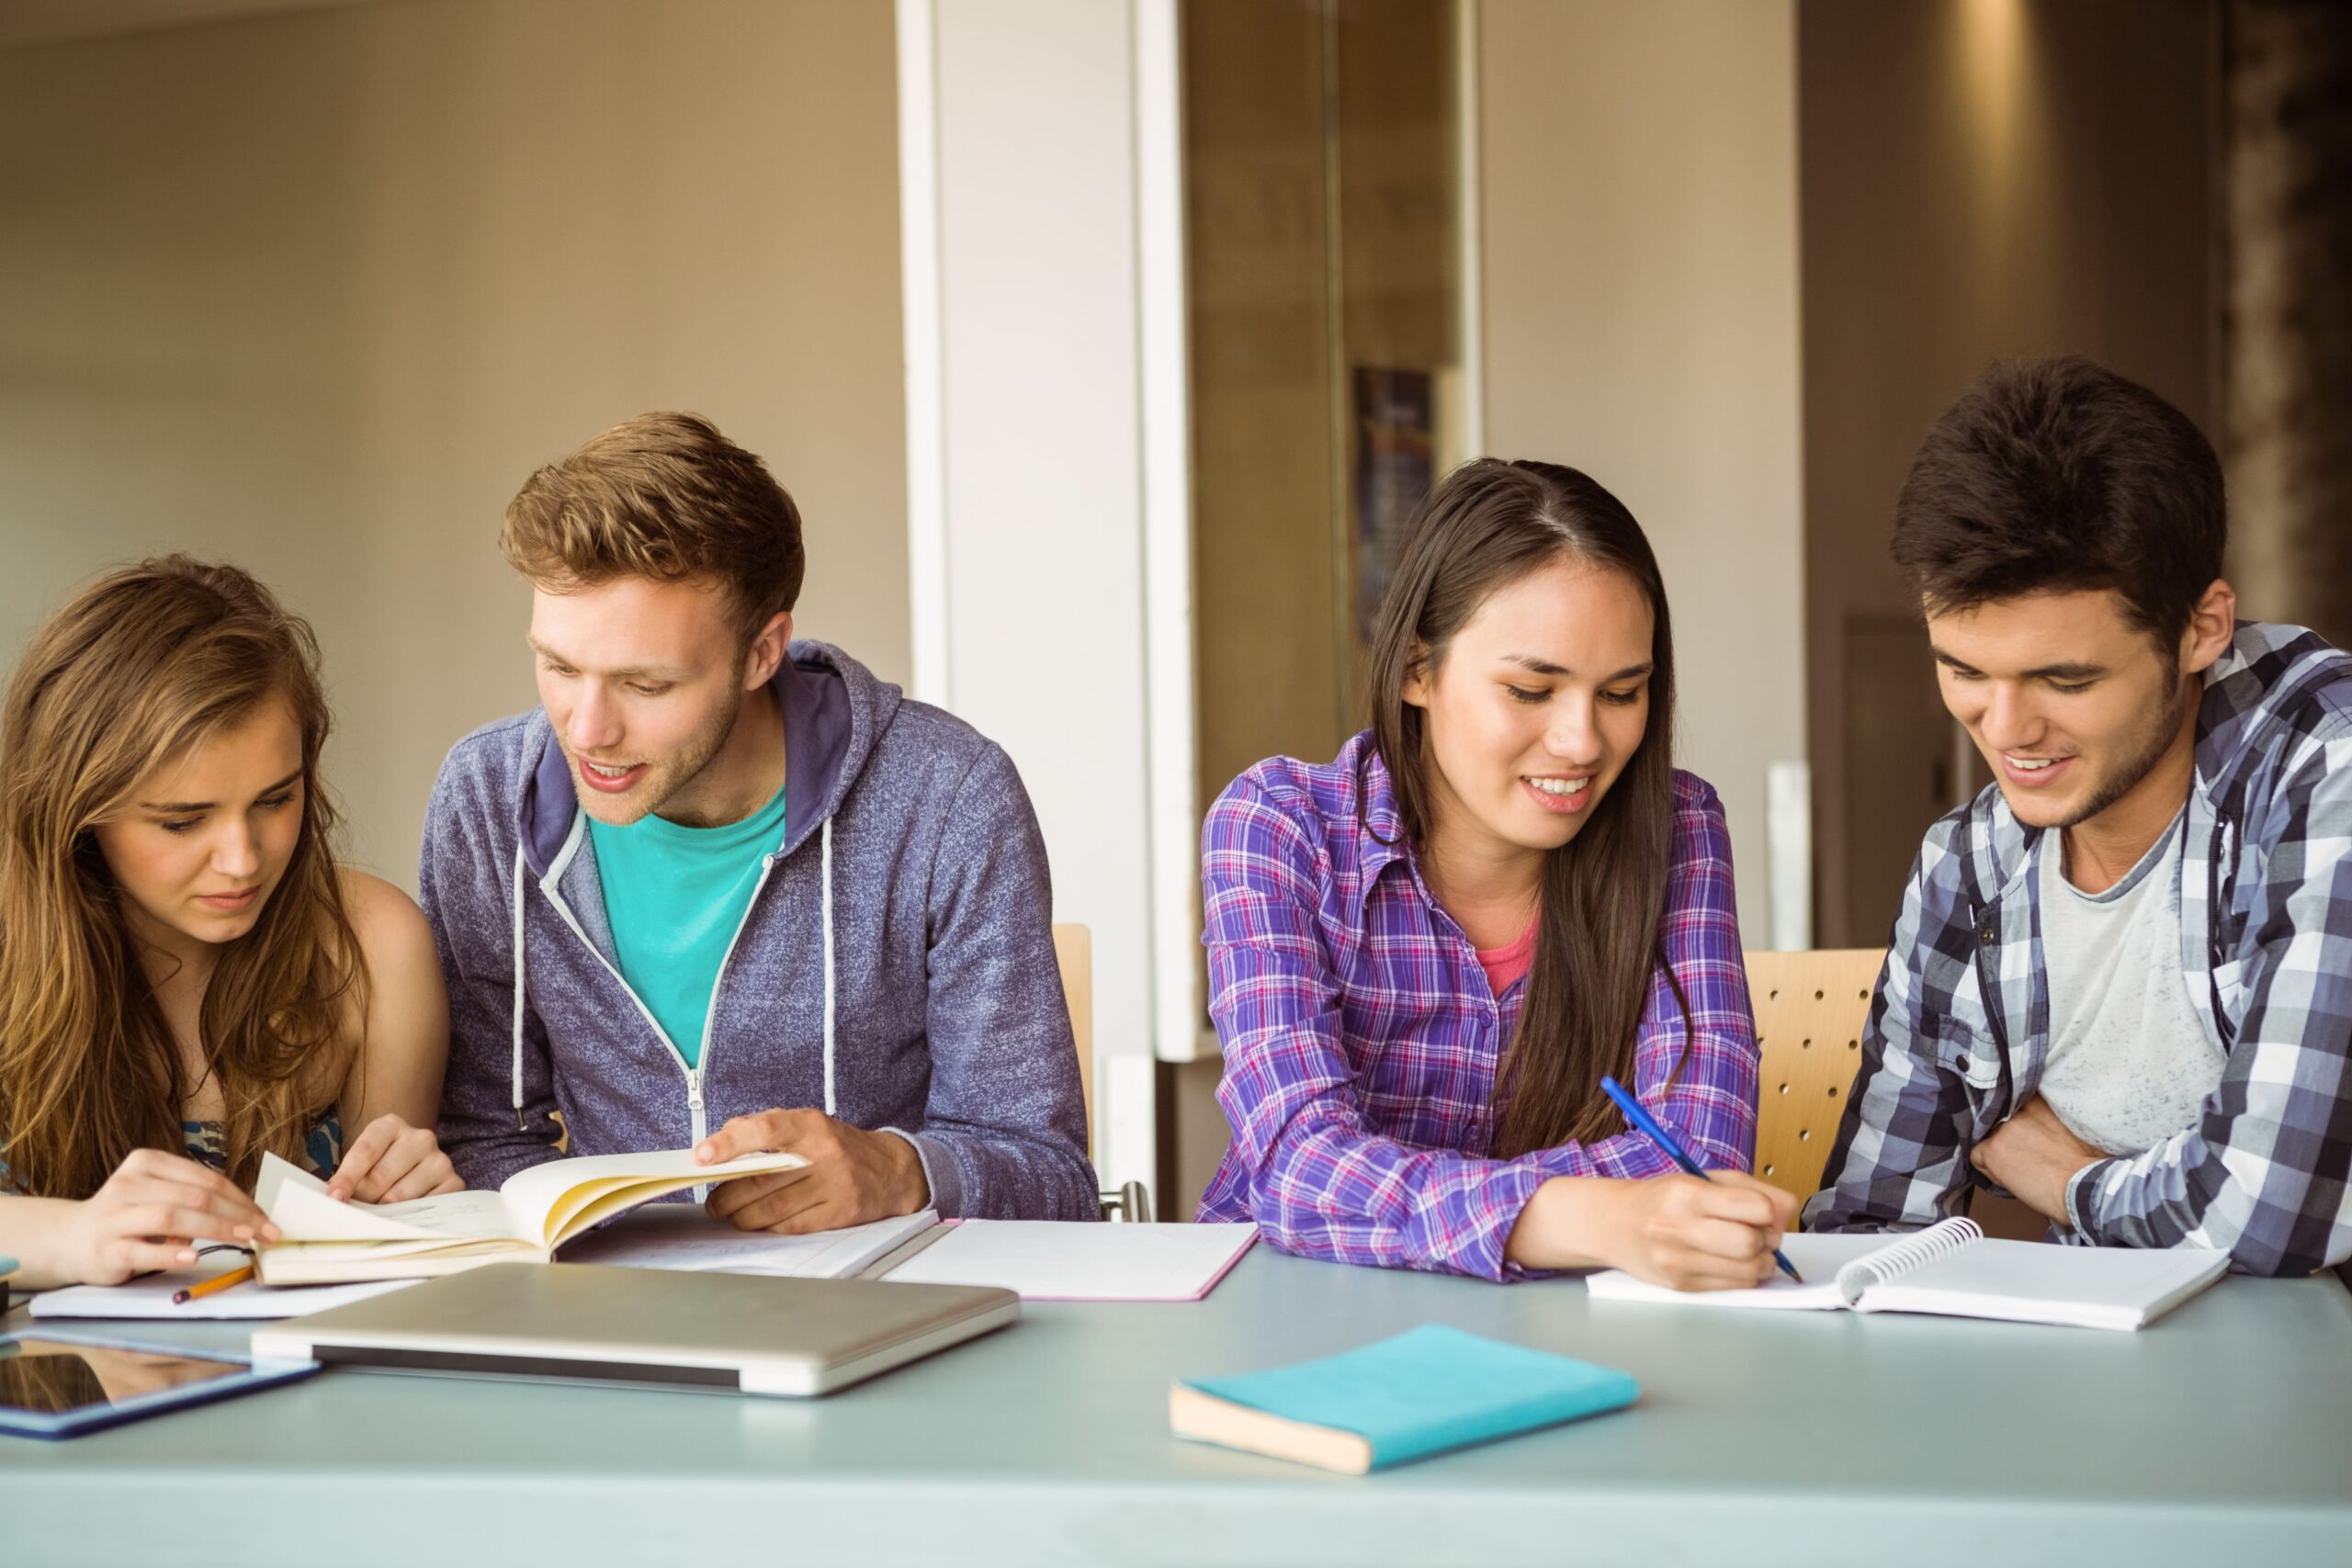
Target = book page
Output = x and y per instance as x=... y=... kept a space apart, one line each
x=535 y=1207
x=297 y=1202
x=563 y=1197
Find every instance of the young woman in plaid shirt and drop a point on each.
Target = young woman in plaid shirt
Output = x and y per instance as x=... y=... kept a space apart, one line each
x=1425 y=954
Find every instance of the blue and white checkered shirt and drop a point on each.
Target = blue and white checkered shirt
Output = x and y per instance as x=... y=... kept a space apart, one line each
x=1958 y=1030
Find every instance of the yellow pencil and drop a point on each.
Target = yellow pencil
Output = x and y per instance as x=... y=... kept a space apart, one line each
x=218 y=1282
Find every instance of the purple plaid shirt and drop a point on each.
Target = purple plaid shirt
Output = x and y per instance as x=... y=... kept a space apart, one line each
x=1360 y=1036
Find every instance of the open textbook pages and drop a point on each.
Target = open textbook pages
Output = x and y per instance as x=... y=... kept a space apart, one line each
x=325 y=1242
x=1951 y=1268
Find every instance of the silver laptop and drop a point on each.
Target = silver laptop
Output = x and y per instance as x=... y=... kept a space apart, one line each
x=645 y=1327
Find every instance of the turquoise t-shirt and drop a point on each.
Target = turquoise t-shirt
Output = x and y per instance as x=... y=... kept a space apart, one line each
x=674 y=897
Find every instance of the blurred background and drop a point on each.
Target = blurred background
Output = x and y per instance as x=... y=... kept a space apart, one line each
x=1108 y=344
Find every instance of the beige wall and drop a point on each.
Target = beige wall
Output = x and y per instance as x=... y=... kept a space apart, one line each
x=1265 y=579
x=1639 y=200
x=1321 y=209
x=1309 y=257
x=315 y=292
x=1981 y=179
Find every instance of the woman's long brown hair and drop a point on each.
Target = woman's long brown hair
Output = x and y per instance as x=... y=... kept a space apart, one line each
x=1598 y=939
x=139 y=670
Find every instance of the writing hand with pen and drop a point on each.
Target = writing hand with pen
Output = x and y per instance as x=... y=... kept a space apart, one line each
x=1700 y=1230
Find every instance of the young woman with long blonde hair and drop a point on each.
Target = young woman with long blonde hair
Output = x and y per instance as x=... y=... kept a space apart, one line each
x=186 y=977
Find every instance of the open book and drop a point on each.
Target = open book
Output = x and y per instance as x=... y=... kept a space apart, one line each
x=1951 y=1268
x=325 y=1242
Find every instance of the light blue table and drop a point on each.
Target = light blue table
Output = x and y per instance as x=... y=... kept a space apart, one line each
x=2222 y=1434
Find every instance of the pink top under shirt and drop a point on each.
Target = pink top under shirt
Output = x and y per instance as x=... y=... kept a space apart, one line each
x=1508 y=964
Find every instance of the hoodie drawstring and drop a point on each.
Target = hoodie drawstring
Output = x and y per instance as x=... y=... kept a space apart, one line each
x=518 y=987
x=825 y=912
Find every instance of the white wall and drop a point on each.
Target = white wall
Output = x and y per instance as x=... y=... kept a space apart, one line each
x=1027 y=130
x=1639 y=230
x=315 y=292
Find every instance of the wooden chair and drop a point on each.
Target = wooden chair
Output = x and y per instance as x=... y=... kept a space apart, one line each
x=1074 y=955
x=1810 y=1008
x=1074 y=952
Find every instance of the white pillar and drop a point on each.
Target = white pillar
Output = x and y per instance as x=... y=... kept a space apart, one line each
x=1048 y=462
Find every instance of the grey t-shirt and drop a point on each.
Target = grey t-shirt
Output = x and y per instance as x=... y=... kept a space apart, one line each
x=2129 y=1061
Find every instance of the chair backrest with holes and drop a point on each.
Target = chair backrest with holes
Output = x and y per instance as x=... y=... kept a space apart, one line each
x=1074 y=952
x=1810 y=1008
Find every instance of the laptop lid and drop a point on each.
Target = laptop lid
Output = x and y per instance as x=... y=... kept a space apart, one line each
x=730 y=1333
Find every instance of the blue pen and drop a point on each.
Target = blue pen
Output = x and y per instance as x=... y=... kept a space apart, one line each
x=1665 y=1140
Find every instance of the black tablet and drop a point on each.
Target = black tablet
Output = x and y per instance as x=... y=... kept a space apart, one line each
x=61 y=1384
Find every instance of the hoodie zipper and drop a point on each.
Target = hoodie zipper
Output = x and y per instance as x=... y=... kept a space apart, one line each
x=693 y=1079
x=697 y=1114
x=710 y=1015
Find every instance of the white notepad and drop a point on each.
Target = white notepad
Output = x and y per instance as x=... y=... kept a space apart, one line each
x=150 y=1296
x=1048 y=1260
x=1950 y=1268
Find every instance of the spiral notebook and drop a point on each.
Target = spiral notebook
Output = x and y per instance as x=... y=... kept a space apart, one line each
x=1950 y=1268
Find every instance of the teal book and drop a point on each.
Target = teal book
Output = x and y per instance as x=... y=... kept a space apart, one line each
x=1422 y=1392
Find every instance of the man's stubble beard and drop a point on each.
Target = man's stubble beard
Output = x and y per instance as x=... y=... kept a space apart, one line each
x=701 y=747
x=694 y=756
x=2156 y=740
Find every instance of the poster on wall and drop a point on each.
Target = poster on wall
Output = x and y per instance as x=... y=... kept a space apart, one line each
x=1396 y=456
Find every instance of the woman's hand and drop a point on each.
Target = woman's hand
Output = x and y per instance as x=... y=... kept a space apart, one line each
x=149 y=1214
x=1677 y=1231
x=1715 y=1235
x=391 y=1162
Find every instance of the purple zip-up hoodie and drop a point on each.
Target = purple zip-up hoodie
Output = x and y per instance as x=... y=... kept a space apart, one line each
x=896 y=966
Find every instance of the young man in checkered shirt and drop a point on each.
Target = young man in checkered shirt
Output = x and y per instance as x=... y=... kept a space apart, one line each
x=2121 y=984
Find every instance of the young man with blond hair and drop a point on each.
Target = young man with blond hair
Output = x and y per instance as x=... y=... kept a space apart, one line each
x=2121 y=984
x=729 y=891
